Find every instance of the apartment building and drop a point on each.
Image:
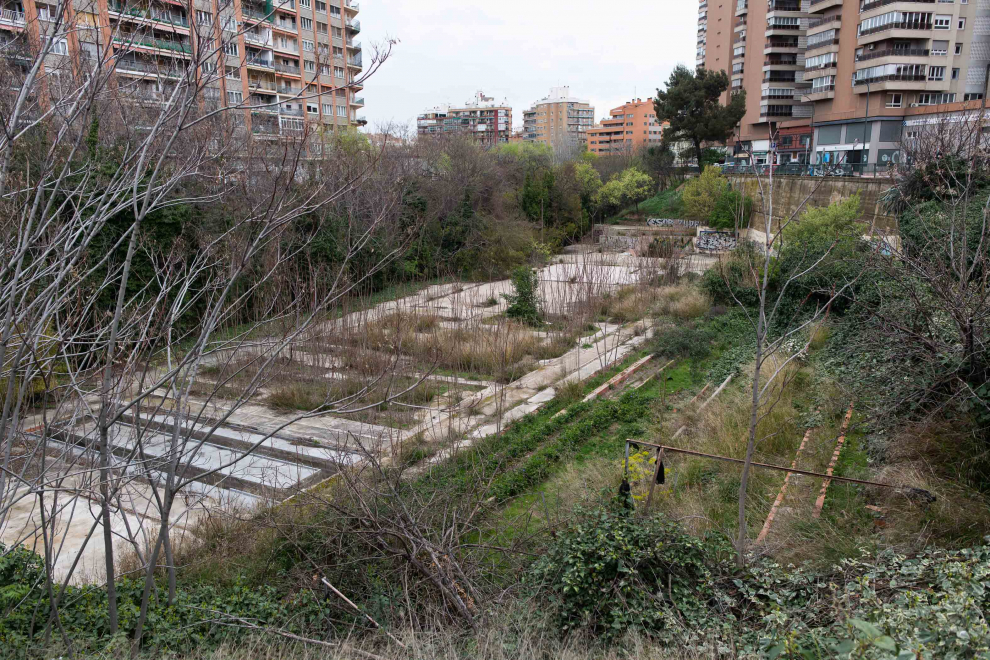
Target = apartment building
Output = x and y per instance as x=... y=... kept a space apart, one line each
x=629 y=127
x=761 y=45
x=285 y=63
x=559 y=119
x=880 y=69
x=490 y=123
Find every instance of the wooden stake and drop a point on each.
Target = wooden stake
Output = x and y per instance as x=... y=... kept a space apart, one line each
x=831 y=466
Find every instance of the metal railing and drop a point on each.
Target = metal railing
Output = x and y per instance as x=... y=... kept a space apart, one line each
x=355 y=26
x=11 y=16
x=258 y=39
x=893 y=52
x=894 y=77
x=152 y=42
x=259 y=61
x=290 y=113
x=821 y=89
x=150 y=13
x=867 y=6
x=148 y=67
x=257 y=15
x=905 y=25
x=358 y=100
x=822 y=21
x=818 y=169
x=287 y=68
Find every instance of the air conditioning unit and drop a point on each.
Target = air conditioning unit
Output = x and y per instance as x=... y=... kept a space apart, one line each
x=871 y=47
x=915 y=105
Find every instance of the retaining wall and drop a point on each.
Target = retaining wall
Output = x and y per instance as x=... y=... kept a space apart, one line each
x=791 y=191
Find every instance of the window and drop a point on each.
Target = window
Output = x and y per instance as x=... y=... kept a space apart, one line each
x=341 y=111
x=325 y=69
x=958 y=49
x=306 y=23
x=309 y=65
x=230 y=48
x=60 y=47
x=337 y=32
x=338 y=52
x=321 y=27
x=962 y=23
x=311 y=108
x=304 y=3
x=338 y=72
x=936 y=73
x=928 y=98
x=321 y=6
x=894 y=100
x=892 y=19
x=234 y=98
x=955 y=74
x=942 y=21
x=204 y=17
x=335 y=11
x=328 y=109
x=940 y=47
x=975 y=96
x=307 y=45
x=233 y=73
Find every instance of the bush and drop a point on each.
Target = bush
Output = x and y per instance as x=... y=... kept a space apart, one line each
x=702 y=193
x=524 y=304
x=614 y=572
x=730 y=207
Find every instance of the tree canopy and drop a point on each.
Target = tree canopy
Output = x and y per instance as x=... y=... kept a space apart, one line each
x=693 y=107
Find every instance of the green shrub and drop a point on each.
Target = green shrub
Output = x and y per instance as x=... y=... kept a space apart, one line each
x=703 y=192
x=730 y=206
x=614 y=572
x=524 y=304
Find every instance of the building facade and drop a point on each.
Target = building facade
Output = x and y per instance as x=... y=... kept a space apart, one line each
x=629 y=127
x=761 y=45
x=881 y=69
x=490 y=123
x=285 y=63
x=859 y=75
x=559 y=119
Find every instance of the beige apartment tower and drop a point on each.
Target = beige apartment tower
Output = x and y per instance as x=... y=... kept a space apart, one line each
x=286 y=62
x=559 y=120
x=862 y=75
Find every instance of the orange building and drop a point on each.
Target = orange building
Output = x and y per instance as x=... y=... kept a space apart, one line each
x=632 y=125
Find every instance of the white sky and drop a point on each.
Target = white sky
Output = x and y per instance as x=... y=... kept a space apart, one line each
x=606 y=51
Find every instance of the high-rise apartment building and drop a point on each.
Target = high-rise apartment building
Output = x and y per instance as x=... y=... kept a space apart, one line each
x=285 y=63
x=559 y=119
x=488 y=122
x=859 y=75
x=879 y=69
x=629 y=127
x=761 y=45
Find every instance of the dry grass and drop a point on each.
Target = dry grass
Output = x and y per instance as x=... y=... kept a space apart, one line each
x=683 y=301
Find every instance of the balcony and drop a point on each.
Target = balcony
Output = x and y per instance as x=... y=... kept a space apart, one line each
x=148 y=13
x=812 y=24
x=893 y=52
x=11 y=17
x=261 y=85
x=287 y=68
x=822 y=44
x=253 y=15
x=781 y=61
x=353 y=26
x=355 y=62
x=285 y=5
x=908 y=25
x=286 y=112
x=822 y=5
x=892 y=81
x=260 y=62
x=353 y=6
x=151 y=42
x=819 y=93
x=358 y=101
x=290 y=91
x=876 y=4
x=153 y=68
x=285 y=26
x=783 y=5
x=258 y=39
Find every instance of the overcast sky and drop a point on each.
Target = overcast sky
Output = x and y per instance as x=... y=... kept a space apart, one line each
x=518 y=49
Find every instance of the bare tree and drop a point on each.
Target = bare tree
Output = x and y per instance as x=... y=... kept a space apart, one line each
x=775 y=322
